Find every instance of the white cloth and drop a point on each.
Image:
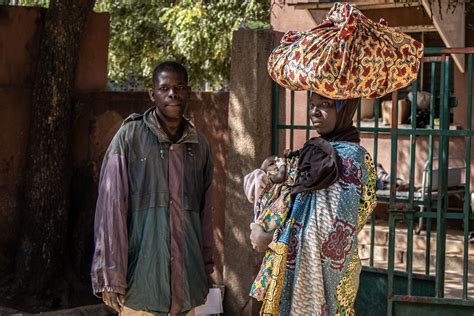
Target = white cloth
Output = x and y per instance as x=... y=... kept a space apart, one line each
x=213 y=304
x=254 y=184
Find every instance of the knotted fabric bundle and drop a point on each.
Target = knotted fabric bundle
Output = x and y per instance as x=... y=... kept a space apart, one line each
x=347 y=56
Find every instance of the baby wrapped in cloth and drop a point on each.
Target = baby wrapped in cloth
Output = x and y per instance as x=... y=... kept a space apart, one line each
x=269 y=189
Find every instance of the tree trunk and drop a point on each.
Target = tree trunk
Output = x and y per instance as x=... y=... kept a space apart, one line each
x=45 y=204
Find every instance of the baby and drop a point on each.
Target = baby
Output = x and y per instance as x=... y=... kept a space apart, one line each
x=269 y=189
x=272 y=171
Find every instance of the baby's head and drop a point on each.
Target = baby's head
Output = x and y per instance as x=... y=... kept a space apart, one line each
x=269 y=164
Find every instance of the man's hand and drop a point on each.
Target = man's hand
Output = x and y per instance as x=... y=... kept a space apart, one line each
x=259 y=238
x=113 y=300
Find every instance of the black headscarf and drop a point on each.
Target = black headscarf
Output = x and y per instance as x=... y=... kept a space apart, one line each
x=318 y=163
x=344 y=130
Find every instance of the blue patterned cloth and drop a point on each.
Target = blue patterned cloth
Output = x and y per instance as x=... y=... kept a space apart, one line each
x=338 y=213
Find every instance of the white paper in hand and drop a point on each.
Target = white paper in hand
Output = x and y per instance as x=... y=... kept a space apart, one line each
x=213 y=303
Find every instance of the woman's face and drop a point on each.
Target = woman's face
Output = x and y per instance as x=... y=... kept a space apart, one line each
x=323 y=114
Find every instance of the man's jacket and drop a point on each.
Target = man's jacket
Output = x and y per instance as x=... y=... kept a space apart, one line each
x=153 y=222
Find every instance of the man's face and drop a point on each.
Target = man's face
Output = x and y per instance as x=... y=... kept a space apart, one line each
x=170 y=95
x=323 y=114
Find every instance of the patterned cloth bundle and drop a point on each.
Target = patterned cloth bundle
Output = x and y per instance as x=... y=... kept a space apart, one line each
x=347 y=56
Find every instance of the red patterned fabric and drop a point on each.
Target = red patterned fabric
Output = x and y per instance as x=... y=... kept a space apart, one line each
x=347 y=56
x=338 y=244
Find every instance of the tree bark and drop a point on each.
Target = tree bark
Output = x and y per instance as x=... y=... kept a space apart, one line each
x=46 y=196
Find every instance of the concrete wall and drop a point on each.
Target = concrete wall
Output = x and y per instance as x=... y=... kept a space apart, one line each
x=284 y=18
x=20 y=33
x=456 y=149
x=460 y=79
x=14 y=120
x=250 y=117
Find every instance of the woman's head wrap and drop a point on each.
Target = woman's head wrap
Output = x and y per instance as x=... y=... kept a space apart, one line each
x=347 y=56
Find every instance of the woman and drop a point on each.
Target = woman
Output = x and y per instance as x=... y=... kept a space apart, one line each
x=312 y=266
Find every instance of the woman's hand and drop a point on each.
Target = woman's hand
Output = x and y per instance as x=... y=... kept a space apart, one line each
x=113 y=300
x=259 y=238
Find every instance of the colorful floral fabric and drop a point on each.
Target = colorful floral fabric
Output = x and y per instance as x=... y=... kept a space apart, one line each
x=273 y=205
x=347 y=56
x=312 y=266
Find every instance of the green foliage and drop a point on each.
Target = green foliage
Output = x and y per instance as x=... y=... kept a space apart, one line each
x=30 y=3
x=137 y=39
x=196 y=33
x=201 y=33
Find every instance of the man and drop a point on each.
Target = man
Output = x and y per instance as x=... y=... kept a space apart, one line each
x=153 y=222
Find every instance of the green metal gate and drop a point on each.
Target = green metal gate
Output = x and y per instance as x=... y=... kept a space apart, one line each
x=408 y=293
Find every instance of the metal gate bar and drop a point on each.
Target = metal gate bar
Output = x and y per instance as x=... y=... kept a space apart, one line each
x=467 y=199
